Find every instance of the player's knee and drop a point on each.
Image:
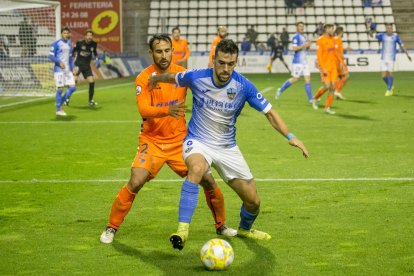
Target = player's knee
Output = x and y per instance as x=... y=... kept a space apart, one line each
x=196 y=170
x=136 y=182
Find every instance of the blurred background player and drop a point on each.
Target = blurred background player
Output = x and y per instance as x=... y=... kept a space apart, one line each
x=84 y=50
x=161 y=140
x=327 y=61
x=276 y=52
x=300 y=67
x=389 y=41
x=221 y=33
x=109 y=63
x=64 y=69
x=180 y=47
x=343 y=72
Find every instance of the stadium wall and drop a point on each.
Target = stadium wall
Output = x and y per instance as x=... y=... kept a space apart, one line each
x=251 y=62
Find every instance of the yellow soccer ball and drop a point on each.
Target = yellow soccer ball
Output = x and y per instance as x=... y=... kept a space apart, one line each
x=216 y=254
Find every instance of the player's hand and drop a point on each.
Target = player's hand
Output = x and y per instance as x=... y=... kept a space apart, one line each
x=307 y=44
x=295 y=142
x=324 y=72
x=152 y=82
x=409 y=58
x=75 y=70
x=62 y=65
x=177 y=110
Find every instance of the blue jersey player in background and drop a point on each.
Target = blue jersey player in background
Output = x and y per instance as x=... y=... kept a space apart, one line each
x=300 y=67
x=219 y=95
x=64 y=69
x=389 y=41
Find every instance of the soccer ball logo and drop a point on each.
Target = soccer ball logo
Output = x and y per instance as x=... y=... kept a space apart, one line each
x=216 y=254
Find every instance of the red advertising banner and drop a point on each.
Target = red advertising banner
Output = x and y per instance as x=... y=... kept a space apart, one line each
x=102 y=17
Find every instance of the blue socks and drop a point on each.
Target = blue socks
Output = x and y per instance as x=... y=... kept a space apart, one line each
x=246 y=218
x=188 y=201
x=68 y=93
x=58 y=99
x=308 y=89
x=389 y=80
x=285 y=86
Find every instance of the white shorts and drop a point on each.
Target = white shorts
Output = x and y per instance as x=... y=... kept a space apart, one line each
x=299 y=70
x=64 y=78
x=229 y=162
x=387 y=65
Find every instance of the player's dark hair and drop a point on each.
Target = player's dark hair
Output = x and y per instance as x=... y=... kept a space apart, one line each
x=66 y=28
x=176 y=29
x=339 y=30
x=227 y=46
x=327 y=26
x=300 y=22
x=89 y=31
x=388 y=24
x=159 y=37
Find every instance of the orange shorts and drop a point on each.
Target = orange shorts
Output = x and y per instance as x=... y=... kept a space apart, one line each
x=152 y=156
x=332 y=76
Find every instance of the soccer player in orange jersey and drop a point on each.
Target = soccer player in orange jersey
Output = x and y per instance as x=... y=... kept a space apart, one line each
x=327 y=61
x=181 y=52
x=160 y=141
x=342 y=67
x=221 y=33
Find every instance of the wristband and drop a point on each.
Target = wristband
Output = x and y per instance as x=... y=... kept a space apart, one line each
x=290 y=136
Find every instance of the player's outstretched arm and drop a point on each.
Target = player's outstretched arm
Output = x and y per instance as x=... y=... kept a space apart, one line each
x=277 y=123
x=154 y=79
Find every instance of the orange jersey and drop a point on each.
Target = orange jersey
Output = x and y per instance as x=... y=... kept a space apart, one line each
x=181 y=51
x=213 y=47
x=153 y=106
x=339 y=48
x=326 y=53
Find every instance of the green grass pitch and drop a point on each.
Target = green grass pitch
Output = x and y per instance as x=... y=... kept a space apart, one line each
x=347 y=210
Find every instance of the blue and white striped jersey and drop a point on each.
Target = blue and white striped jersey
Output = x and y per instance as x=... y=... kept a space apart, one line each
x=389 y=45
x=299 y=56
x=61 y=51
x=216 y=108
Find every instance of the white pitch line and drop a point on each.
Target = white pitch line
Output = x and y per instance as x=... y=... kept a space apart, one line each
x=180 y=180
x=72 y=122
x=266 y=89
x=77 y=92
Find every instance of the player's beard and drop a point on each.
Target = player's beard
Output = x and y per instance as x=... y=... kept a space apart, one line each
x=223 y=77
x=163 y=63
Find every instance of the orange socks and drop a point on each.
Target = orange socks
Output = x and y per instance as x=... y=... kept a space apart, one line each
x=329 y=100
x=120 y=207
x=320 y=92
x=215 y=202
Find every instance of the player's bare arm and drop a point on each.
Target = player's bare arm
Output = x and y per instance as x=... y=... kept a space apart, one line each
x=277 y=123
x=406 y=52
x=154 y=79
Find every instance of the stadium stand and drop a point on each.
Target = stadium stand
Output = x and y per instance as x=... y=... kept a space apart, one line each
x=43 y=31
x=198 y=20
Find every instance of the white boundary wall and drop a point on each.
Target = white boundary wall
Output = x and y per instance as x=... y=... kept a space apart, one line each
x=256 y=62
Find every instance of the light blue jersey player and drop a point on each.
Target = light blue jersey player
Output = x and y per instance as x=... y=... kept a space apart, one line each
x=219 y=95
x=300 y=67
x=61 y=55
x=389 y=41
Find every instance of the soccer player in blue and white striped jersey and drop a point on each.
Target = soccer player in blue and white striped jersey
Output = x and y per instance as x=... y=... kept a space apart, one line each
x=389 y=41
x=64 y=69
x=219 y=95
x=300 y=67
